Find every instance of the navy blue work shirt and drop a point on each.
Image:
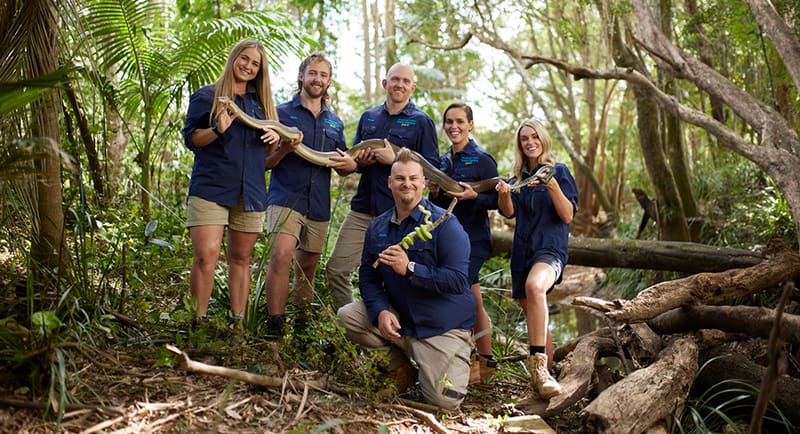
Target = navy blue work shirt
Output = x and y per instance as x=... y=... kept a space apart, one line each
x=232 y=166
x=294 y=182
x=437 y=298
x=411 y=128
x=539 y=229
x=470 y=165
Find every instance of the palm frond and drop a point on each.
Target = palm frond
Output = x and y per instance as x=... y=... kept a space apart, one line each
x=18 y=94
x=199 y=56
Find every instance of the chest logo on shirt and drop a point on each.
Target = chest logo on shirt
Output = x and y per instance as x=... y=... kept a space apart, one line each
x=469 y=159
x=332 y=123
x=406 y=122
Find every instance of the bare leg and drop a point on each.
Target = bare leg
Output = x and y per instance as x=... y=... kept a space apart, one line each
x=304 y=271
x=206 y=242
x=240 y=248
x=280 y=261
x=482 y=328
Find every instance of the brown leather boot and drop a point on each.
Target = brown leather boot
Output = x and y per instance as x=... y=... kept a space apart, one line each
x=403 y=377
x=481 y=368
x=541 y=380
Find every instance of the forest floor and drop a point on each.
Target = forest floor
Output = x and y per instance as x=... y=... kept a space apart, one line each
x=128 y=392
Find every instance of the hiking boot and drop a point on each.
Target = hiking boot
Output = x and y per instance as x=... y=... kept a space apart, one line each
x=275 y=327
x=403 y=377
x=541 y=380
x=236 y=333
x=481 y=368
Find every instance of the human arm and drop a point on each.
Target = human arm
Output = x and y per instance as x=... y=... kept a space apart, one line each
x=278 y=149
x=443 y=270
x=504 y=202
x=563 y=193
x=198 y=131
x=563 y=206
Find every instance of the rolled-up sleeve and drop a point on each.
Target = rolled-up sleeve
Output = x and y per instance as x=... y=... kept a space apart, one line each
x=197 y=116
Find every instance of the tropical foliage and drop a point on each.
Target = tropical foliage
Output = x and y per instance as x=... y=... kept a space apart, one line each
x=124 y=71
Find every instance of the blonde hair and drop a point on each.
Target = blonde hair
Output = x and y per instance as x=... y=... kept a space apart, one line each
x=544 y=138
x=225 y=84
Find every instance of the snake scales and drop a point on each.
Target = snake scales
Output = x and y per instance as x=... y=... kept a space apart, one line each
x=321 y=158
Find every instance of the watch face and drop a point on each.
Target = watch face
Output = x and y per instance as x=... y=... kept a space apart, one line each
x=411 y=266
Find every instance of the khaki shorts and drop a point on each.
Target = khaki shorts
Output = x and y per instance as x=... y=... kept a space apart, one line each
x=310 y=234
x=202 y=212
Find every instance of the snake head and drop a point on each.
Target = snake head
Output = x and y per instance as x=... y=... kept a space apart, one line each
x=224 y=100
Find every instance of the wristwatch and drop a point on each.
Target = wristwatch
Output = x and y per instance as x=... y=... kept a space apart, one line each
x=216 y=130
x=410 y=269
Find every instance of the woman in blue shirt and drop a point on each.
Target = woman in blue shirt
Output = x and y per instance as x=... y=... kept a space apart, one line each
x=227 y=186
x=467 y=162
x=543 y=211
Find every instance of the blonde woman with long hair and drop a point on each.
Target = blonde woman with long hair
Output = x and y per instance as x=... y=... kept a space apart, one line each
x=227 y=189
x=543 y=210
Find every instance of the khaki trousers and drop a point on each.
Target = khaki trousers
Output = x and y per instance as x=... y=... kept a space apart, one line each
x=443 y=360
x=346 y=256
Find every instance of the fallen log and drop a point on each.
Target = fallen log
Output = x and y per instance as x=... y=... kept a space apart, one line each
x=702 y=288
x=644 y=254
x=577 y=372
x=723 y=375
x=750 y=320
x=190 y=365
x=648 y=395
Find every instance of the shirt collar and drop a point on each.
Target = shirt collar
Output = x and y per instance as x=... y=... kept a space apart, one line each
x=297 y=103
x=408 y=110
x=415 y=215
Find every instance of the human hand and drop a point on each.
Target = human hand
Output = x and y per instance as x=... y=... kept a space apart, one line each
x=468 y=194
x=389 y=325
x=365 y=157
x=344 y=162
x=270 y=137
x=395 y=257
x=384 y=155
x=225 y=118
x=503 y=188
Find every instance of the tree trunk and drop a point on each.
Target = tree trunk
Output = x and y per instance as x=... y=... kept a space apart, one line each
x=644 y=254
x=648 y=395
x=95 y=168
x=367 y=50
x=673 y=136
x=779 y=151
x=43 y=50
x=389 y=34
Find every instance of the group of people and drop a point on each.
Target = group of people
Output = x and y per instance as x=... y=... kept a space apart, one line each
x=419 y=302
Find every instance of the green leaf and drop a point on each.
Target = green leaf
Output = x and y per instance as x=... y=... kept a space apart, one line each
x=46 y=320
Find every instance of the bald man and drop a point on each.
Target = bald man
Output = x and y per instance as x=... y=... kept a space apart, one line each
x=402 y=123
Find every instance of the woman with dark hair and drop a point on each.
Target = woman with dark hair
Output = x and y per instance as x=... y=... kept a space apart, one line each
x=227 y=188
x=467 y=162
x=543 y=209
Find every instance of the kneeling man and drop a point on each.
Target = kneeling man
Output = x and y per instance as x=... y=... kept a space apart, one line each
x=416 y=304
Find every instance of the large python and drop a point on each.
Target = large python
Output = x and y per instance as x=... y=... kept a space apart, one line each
x=321 y=158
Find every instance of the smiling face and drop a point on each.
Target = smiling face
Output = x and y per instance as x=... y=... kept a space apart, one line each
x=530 y=144
x=399 y=84
x=406 y=183
x=247 y=65
x=316 y=78
x=457 y=126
